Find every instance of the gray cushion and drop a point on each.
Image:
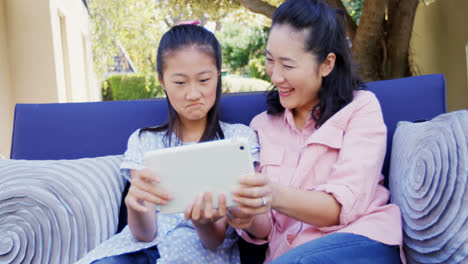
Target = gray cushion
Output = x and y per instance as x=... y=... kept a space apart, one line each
x=428 y=180
x=56 y=211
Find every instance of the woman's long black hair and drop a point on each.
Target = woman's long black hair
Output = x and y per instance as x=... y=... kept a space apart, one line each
x=177 y=38
x=324 y=34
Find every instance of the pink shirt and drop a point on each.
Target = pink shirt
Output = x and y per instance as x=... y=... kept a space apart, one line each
x=344 y=158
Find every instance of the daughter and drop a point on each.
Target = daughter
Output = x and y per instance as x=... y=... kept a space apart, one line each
x=189 y=70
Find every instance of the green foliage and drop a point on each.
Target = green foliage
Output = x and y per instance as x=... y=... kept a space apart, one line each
x=257 y=69
x=130 y=87
x=106 y=91
x=354 y=9
x=205 y=10
x=135 y=25
x=240 y=45
x=212 y=11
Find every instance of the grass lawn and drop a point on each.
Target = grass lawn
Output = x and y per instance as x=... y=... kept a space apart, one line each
x=235 y=83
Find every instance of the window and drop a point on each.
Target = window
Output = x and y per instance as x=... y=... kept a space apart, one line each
x=65 y=56
x=86 y=68
x=466 y=49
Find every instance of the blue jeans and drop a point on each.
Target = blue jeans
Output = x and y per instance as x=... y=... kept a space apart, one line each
x=341 y=248
x=144 y=256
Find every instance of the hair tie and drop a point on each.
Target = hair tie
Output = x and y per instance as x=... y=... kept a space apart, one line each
x=189 y=22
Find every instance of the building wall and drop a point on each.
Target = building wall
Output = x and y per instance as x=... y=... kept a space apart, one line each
x=32 y=66
x=75 y=77
x=6 y=105
x=438 y=45
x=45 y=57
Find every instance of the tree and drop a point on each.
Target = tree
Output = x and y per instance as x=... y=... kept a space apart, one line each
x=131 y=24
x=380 y=30
x=380 y=42
x=137 y=26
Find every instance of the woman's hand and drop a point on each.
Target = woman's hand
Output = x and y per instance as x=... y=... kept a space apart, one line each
x=254 y=195
x=145 y=188
x=200 y=214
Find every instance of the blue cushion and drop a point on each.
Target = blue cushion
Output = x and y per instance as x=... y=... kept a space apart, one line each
x=55 y=211
x=79 y=130
x=408 y=99
x=428 y=180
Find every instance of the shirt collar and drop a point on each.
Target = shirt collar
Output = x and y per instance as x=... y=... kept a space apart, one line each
x=288 y=118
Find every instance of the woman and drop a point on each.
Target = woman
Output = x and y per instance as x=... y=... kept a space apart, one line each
x=322 y=142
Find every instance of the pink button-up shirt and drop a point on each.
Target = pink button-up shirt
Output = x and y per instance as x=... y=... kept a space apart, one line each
x=344 y=158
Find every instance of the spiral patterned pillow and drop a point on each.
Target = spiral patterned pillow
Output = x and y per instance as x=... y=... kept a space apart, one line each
x=428 y=180
x=55 y=211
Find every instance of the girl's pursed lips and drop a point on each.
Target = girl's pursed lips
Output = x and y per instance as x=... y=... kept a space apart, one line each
x=194 y=104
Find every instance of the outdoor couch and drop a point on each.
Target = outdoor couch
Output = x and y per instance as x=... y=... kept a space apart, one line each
x=60 y=193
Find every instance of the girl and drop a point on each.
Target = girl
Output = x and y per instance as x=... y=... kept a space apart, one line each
x=189 y=70
x=323 y=142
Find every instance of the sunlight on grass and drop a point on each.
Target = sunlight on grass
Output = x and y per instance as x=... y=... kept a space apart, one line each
x=234 y=83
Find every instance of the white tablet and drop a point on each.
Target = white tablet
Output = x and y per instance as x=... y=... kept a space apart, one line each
x=189 y=170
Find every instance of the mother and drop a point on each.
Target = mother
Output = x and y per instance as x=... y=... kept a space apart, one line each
x=322 y=144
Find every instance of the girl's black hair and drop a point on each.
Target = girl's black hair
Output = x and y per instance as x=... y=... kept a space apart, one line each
x=324 y=34
x=177 y=38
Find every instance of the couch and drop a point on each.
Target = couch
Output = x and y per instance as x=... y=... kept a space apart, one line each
x=89 y=131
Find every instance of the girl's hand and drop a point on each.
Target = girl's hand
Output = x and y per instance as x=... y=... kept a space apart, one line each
x=238 y=219
x=208 y=214
x=254 y=194
x=145 y=188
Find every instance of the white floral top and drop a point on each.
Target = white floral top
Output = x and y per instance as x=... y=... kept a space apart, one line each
x=177 y=239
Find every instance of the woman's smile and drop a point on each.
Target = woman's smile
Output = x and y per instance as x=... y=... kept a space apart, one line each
x=285 y=92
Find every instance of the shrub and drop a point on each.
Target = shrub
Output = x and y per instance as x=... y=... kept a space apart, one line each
x=257 y=69
x=240 y=45
x=130 y=87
